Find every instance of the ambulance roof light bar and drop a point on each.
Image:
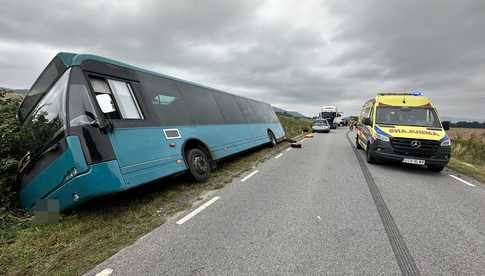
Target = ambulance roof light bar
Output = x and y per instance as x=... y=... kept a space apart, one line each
x=413 y=93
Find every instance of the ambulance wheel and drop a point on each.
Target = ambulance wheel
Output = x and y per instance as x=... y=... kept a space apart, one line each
x=370 y=155
x=435 y=168
x=357 y=144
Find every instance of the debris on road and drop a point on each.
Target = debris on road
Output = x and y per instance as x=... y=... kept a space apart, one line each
x=296 y=145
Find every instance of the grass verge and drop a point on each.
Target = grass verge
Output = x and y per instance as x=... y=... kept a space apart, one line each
x=468 y=169
x=468 y=152
x=102 y=227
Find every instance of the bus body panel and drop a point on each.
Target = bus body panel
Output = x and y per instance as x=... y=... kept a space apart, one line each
x=101 y=179
x=54 y=175
x=145 y=154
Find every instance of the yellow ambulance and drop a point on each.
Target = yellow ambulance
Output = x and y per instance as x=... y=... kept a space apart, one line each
x=403 y=127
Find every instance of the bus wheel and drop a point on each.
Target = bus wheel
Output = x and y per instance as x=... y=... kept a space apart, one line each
x=199 y=164
x=272 y=139
x=357 y=144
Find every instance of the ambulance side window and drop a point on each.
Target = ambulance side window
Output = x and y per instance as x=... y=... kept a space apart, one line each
x=371 y=114
x=365 y=112
x=362 y=113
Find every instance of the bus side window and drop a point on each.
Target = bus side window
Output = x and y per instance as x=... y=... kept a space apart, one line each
x=100 y=86
x=202 y=106
x=121 y=94
x=229 y=108
x=126 y=100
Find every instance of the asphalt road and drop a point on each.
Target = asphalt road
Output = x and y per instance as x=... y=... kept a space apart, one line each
x=319 y=211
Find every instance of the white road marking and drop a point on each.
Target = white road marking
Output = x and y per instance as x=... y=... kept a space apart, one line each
x=464 y=181
x=278 y=156
x=105 y=272
x=319 y=218
x=288 y=149
x=198 y=210
x=249 y=175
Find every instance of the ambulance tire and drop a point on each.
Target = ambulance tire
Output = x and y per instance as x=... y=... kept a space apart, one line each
x=435 y=168
x=369 y=155
x=357 y=144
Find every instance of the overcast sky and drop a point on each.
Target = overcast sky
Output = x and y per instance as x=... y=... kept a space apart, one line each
x=297 y=55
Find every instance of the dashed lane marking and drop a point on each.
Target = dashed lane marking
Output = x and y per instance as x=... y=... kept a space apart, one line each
x=463 y=181
x=249 y=175
x=198 y=210
x=105 y=272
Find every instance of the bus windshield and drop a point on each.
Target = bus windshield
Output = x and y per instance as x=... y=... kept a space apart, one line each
x=50 y=74
x=408 y=116
x=47 y=120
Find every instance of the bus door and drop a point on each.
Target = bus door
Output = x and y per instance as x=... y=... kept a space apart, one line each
x=139 y=147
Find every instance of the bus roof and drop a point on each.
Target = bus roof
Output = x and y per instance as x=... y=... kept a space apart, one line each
x=75 y=59
x=402 y=99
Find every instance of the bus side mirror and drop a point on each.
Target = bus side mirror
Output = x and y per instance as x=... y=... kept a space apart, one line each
x=105 y=103
x=446 y=125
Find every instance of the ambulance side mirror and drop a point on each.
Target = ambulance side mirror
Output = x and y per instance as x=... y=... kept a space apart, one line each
x=446 y=125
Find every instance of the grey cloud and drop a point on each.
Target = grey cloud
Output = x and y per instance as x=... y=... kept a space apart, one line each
x=374 y=46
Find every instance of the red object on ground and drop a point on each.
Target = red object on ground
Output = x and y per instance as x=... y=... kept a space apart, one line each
x=295 y=145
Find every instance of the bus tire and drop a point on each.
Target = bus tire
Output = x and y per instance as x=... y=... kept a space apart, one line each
x=435 y=168
x=199 y=164
x=357 y=144
x=272 y=139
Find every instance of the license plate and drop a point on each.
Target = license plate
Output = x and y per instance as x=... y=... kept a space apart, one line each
x=413 y=161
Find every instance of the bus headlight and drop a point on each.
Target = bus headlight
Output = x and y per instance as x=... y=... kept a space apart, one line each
x=446 y=142
x=70 y=174
x=382 y=138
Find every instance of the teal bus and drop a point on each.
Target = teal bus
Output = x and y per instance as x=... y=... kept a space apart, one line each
x=98 y=126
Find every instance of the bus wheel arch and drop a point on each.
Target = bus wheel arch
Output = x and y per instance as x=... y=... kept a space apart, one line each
x=272 y=138
x=198 y=159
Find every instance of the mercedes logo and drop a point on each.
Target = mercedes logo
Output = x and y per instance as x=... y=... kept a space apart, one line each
x=415 y=144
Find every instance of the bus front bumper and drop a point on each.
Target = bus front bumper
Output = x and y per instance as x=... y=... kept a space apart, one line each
x=101 y=179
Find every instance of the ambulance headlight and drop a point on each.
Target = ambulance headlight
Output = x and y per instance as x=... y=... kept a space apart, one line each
x=382 y=138
x=446 y=142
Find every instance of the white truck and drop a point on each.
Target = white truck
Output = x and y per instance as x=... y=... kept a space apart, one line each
x=330 y=113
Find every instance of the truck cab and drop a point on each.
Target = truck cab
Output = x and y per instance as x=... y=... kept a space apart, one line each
x=330 y=113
